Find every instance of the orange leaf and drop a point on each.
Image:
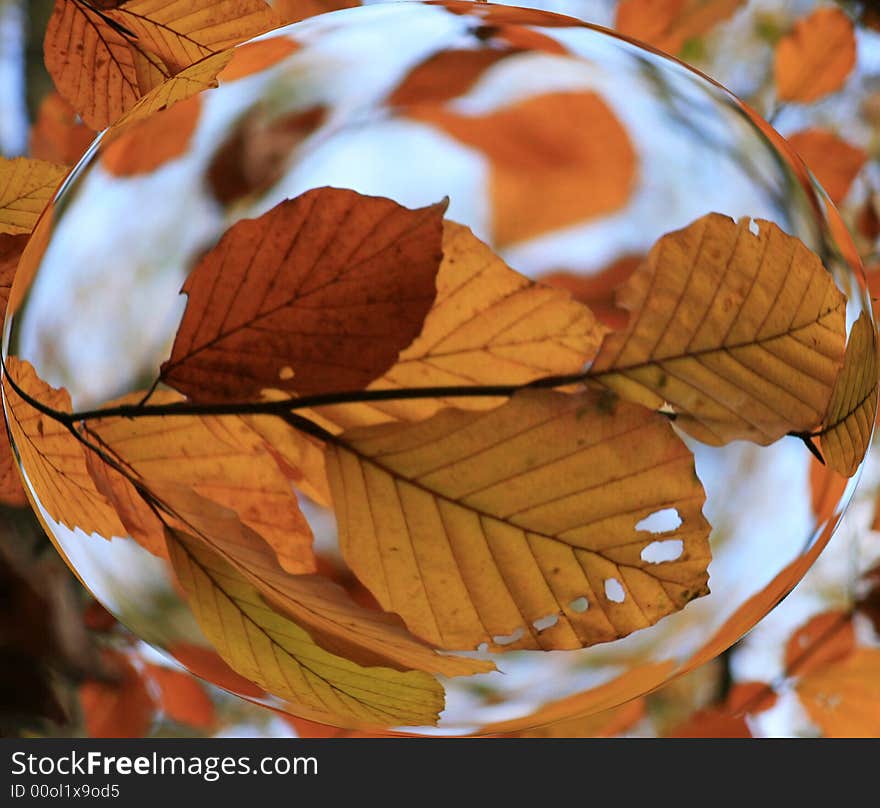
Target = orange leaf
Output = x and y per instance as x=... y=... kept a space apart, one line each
x=296 y=10
x=816 y=57
x=826 y=489
x=750 y=697
x=148 y=144
x=99 y=71
x=183 y=698
x=605 y=724
x=181 y=34
x=26 y=187
x=59 y=135
x=209 y=665
x=55 y=460
x=834 y=161
x=843 y=698
x=319 y=294
x=254 y=57
x=712 y=723
x=825 y=638
x=222 y=459
x=120 y=709
x=11 y=491
x=669 y=24
x=568 y=144
x=598 y=291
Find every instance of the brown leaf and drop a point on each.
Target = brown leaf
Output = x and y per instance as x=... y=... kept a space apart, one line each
x=209 y=665
x=54 y=459
x=669 y=24
x=846 y=430
x=183 y=698
x=58 y=134
x=148 y=144
x=568 y=144
x=605 y=724
x=296 y=10
x=99 y=71
x=120 y=709
x=598 y=291
x=712 y=723
x=222 y=459
x=489 y=325
x=319 y=294
x=816 y=57
x=741 y=335
x=750 y=697
x=255 y=156
x=822 y=640
x=834 y=161
x=26 y=187
x=477 y=527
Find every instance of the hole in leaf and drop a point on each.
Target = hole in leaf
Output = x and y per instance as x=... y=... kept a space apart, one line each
x=658 y=552
x=663 y=521
x=614 y=590
x=546 y=622
x=508 y=639
x=579 y=605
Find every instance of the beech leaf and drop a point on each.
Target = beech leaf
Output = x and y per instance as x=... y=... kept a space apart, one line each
x=26 y=187
x=476 y=526
x=319 y=294
x=834 y=162
x=740 y=335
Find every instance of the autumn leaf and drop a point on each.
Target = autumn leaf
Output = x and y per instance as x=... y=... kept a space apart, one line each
x=824 y=639
x=834 y=161
x=117 y=709
x=597 y=291
x=669 y=24
x=740 y=335
x=222 y=459
x=11 y=491
x=843 y=698
x=58 y=134
x=26 y=187
x=568 y=144
x=489 y=325
x=279 y=656
x=182 y=698
x=148 y=144
x=54 y=459
x=207 y=663
x=98 y=70
x=182 y=34
x=296 y=10
x=256 y=154
x=522 y=527
x=605 y=724
x=332 y=618
x=320 y=294
x=712 y=723
x=846 y=431
x=190 y=82
x=816 y=57
x=254 y=57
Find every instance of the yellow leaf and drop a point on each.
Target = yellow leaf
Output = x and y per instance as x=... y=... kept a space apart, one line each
x=843 y=699
x=569 y=144
x=668 y=24
x=26 y=187
x=834 y=161
x=54 y=459
x=741 y=335
x=99 y=71
x=183 y=33
x=846 y=432
x=279 y=656
x=221 y=458
x=816 y=57
x=489 y=325
x=325 y=610
x=522 y=527
x=200 y=76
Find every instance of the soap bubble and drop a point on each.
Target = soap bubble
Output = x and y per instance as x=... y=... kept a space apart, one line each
x=568 y=151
